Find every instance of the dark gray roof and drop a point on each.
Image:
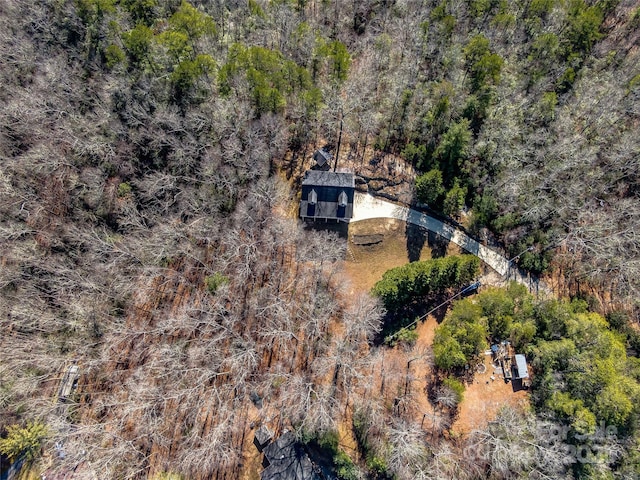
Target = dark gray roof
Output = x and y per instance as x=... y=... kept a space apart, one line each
x=321 y=156
x=262 y=437
x=287 y=460
x=329 y=179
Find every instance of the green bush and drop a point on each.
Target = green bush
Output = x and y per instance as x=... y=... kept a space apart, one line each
x=456 y=386
x=483 y=66
x=142 y=11
x=215 y=281
x=114 y=55
x=484 y=211
x=584 y=26
x=447 y=352
x=541 y=8
x=460 y=337
x=124 y=189
x=378 y=466
x=23 y=441
x=589 y=376
x=404 y=336
x=270 y=77
x=416 y=154
x=187 y=72
x=479 y=8
x=138 y=44
x=454 y=147
x=338 y=56
x=454 y=200
x=167 y=476
x=343 y=466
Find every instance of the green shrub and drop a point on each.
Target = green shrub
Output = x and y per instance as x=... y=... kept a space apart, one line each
x=548 y=105
x=415 y=154
x=114 y=55
x=138 y=44
x=343 y=466
x=23 y=441
x=541 y=8
x=429 y=187
x=454 y=200
x=456 y=386
x=479 y=8
x=485 y=208
x=454 y=147
x=405 y=336
x=167 y=476
x=635 y=81
x=584 y=26
x=378 y=466
x=460 y=337
x=215 y=281
x=483 y=65
x=124 y=189
x=270 y=77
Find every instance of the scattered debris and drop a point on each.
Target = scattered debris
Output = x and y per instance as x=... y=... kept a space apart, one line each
x=69 y=382
x=512 y=366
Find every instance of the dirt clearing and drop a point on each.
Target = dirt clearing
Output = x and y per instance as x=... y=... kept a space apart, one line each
x=378 y=245
x=484 y=397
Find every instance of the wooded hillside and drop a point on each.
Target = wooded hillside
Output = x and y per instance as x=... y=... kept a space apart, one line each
x=147 y=159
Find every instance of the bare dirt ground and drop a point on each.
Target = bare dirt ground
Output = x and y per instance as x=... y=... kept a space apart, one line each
x=484 y=397
x=366 y=263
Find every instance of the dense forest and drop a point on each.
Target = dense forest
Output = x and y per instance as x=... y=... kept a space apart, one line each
x=150 y=155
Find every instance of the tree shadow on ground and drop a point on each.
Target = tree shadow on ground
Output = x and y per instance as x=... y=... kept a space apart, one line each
x=341 y=228
x=418 y=236
x=439 y=245
x=416 y=239
x=395 y=320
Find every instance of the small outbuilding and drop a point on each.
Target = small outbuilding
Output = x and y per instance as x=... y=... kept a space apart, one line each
x=520 y=369
x=323 y=160
x=327 y=195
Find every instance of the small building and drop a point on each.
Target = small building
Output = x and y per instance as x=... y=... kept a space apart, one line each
x=286 y=459
x=327 y=195
x=323 y=159
x=520 y=369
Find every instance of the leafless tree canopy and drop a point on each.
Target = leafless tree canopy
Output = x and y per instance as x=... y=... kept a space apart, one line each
x=148 y=169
